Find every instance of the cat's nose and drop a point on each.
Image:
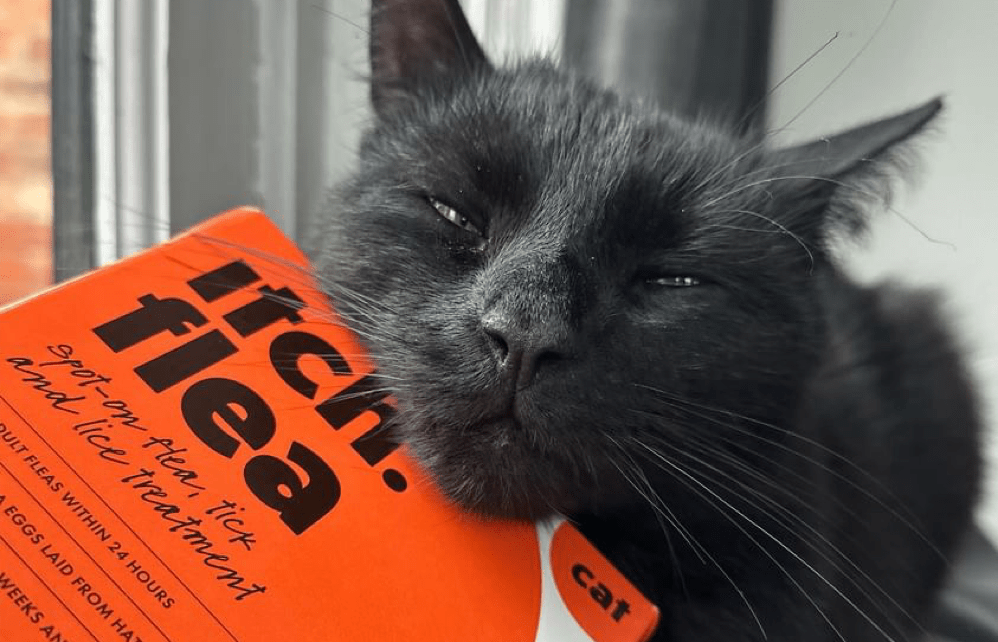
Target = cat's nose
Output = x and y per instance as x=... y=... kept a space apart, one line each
x=522 y=349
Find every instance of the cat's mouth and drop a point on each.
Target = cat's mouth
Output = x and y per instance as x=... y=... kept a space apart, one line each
x=501 y=429
x=497 y=468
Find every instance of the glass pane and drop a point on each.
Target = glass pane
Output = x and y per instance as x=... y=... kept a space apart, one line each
x=25 y=174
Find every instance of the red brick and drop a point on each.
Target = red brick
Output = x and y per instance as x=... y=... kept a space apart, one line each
x=25 y=259
x=40 y=49
x=25 y=54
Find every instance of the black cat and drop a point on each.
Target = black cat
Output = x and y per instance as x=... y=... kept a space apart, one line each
x=587 y=306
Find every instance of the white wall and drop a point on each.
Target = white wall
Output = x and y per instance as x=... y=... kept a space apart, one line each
x=924 y=48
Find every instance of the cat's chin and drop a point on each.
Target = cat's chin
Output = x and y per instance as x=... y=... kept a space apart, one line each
x=490 y=509
x=492 y=470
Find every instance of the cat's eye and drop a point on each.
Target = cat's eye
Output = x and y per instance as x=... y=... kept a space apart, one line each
x=673 y=281
x=454 y=217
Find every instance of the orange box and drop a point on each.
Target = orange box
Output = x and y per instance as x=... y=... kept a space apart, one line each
x=190 y=449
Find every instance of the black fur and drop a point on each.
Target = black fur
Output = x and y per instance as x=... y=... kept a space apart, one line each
x=770 y=452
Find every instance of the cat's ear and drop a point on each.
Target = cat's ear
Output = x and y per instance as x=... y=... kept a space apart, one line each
x=850 y=166
x=837 y=156
x=415 y=42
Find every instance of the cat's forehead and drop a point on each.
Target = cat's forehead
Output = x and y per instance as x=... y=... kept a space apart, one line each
x=570 y=124
x=537 y=141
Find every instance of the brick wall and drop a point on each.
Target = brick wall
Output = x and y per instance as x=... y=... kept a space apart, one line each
x=25 y=129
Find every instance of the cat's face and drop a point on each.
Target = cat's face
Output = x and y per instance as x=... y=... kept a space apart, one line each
x=565 y=290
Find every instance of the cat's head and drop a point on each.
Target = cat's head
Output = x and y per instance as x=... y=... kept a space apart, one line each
x=565 y=288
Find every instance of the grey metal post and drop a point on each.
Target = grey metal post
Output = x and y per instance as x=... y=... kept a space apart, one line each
x=72 y=139
x=698 y=57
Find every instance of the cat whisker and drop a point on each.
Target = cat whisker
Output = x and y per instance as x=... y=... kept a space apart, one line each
x=779 y=227
x=719 y=226
x=791 y=492
x=845 y=68
x=772 y=90
x=684 y=478
x=851 y=188
x=730 y=165
x=308 y=278
x=765 y=532
x=659 y=505
x=364 y=306
x=794 y=435
x=659 y=509
x=780 y=513
x=342 y=18
x=662 y=511
x=821 y=447
x=703 y=446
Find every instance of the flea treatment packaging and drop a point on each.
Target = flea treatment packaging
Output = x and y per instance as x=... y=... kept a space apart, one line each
x=193 y=448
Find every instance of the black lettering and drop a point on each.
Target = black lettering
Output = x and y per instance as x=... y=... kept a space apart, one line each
x=578 y=572
x=255 y=423
x=288 y=348
x=189 y=359
x=348 y=404
x=213 y=285
x=151 y=318
x=602 y=595
x=61 y=351
x=300 y=506
x=273 y=306
x=56 y=398
x=375 y=444
x=124 y=414
x=622 y=609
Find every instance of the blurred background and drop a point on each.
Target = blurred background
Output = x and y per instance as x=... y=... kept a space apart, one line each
x=25 y=145
x=123 y=121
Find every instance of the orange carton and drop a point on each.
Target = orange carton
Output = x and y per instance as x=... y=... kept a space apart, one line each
x=191 y=449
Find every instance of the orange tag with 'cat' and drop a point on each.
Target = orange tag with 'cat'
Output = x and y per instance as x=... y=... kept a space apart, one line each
x=191 y=448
